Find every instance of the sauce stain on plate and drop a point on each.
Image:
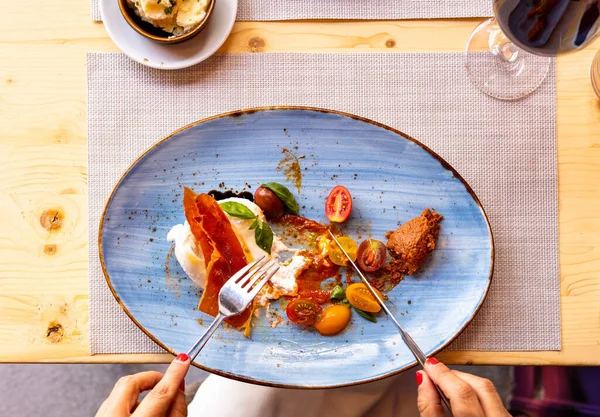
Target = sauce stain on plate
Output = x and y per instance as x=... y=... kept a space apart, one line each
x=290 y=167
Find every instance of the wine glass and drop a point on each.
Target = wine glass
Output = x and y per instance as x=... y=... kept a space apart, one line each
x=507 y=57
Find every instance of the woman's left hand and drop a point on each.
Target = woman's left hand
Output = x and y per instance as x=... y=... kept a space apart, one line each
x=166 y=398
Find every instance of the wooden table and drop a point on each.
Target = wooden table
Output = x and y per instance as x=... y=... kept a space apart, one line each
x=43 y=179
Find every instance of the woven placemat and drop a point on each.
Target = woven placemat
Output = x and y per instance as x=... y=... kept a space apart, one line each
x=353 y=9
x=505 y=150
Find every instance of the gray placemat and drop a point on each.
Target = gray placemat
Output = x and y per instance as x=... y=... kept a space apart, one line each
x=353 y=9
x=506 y=151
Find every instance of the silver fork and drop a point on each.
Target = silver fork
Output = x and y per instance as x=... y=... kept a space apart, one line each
x=236 y=295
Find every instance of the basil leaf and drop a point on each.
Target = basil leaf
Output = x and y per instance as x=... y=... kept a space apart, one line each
x=365 y=315
x=264 y=237
x=338 y=293
x=254 y=224
x=286 y=197
x=237 y=210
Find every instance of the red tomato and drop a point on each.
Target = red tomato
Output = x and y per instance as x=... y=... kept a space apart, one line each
x=339 y=204
x=371 y=255
x=268 y=201
x=318 y=296
x=303 y=312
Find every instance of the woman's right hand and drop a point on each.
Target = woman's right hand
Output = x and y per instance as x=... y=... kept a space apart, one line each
x=470 y=395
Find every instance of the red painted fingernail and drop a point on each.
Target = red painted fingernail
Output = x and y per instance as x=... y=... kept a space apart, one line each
x=182 y=357
x=182 y=386
x=419 y=376
x=432 y=361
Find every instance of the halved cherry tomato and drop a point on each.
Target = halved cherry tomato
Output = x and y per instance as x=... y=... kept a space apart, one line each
x=337 y=256
x=371 y=255
x=338 y=205
x=334 y=319
x=359 y=296
x=303 y=311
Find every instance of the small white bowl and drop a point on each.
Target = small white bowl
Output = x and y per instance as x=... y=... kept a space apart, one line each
x=169 y=56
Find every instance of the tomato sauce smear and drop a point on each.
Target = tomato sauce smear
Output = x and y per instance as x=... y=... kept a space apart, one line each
x=301 y=230
x=311 y=279
x=300 y=223
x=298 y=229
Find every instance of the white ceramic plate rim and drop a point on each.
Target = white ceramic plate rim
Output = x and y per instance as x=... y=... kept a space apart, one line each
x=215 y=37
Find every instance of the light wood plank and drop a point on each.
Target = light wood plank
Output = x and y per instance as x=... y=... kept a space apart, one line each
x=43 y=230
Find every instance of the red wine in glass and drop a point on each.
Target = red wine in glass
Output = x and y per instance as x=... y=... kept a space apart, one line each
x=508 y=57
x=549 y=27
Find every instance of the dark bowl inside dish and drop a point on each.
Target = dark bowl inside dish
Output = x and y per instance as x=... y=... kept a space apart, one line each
x=157 y=34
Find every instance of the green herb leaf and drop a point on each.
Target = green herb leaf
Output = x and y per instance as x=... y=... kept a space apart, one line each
x=262 y=231
x=286 y=197
x=264 y=236
x=338 y=293
x=365 y=315
x=168 y=10
x=237 y=210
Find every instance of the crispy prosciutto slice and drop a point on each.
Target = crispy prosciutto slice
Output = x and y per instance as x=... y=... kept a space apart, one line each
x=192 y=215
x=223 y=253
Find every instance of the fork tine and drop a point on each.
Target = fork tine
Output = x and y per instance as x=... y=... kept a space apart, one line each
x=243 y=282
x=266 y=277
x=259 y=273
x=238 y=276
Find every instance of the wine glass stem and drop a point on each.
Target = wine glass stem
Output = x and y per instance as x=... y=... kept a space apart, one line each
x=499 y=67
x=501 y=46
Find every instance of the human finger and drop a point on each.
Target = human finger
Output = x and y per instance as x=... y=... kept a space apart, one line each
x=158 y=401
x=463 y=399
x=126 y=391
x=428 y=399
x=488 y=397
x=179 y=406
x=101 y=410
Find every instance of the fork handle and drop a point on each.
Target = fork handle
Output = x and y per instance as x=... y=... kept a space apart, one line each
x=193 y=352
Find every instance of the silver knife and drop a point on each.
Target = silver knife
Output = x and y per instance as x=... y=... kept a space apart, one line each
x=414 y=348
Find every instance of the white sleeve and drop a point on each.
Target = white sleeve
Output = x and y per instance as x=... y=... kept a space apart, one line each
x=222 y=397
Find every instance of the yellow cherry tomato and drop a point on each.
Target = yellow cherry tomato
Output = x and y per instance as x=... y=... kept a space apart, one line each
x=333 y=320
x=359 y=296
x=323 y=245
x=336 y=255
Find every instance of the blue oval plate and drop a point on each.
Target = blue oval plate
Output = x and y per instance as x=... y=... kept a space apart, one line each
x=392 y=178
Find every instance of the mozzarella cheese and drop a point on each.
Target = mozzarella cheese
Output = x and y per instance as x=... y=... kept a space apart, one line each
x=188 y=254
x=191 y=259
x=284 y=280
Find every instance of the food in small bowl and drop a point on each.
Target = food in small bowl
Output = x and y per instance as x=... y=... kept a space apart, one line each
x=168 y=21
